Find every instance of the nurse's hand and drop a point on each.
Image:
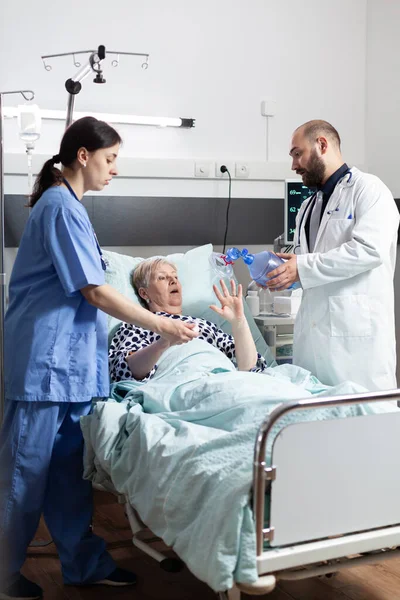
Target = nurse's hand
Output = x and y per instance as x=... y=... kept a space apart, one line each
x=285 y=275
x=176 y=331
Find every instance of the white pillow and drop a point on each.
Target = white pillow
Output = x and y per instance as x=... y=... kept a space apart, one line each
x=197 y=277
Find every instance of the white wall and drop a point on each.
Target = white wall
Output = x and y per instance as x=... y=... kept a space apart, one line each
x=383 y=91
x=214 y=61
x=383 y=102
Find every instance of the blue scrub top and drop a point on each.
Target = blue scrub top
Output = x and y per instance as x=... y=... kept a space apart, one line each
x=55 y=341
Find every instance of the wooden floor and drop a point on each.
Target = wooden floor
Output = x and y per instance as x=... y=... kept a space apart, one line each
x=363 y=583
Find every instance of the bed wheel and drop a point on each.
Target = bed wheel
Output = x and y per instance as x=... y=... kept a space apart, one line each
x=328 y=575
x=172 y=565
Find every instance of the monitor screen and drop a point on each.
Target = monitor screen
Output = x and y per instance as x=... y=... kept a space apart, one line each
x=295 y=193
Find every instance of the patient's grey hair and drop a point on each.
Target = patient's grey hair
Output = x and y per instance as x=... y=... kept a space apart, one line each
x=141 y=276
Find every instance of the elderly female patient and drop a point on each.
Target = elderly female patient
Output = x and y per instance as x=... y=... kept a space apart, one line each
x=134 y=351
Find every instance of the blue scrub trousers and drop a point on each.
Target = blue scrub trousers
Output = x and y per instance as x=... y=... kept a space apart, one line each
x=41 y=467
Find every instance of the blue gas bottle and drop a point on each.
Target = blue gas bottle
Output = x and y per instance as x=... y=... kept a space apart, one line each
x=261 y=264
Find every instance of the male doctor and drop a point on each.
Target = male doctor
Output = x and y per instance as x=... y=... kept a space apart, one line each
x=345 y=254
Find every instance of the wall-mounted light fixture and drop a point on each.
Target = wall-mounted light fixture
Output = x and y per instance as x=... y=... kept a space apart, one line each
x=60 y=115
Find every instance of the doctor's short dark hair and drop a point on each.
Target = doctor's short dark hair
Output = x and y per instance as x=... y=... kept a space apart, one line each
x=314 y=129
x=89 y=133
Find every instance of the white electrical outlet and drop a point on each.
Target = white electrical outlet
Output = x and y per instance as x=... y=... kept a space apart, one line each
x=242 y=170
x=218 y=172
x=202 y=169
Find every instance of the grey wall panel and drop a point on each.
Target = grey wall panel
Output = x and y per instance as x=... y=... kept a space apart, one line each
x=252 y=220
x=88 y=203
x=15 y=217
x=154 y=221
x=185 y=221
x=16 y=214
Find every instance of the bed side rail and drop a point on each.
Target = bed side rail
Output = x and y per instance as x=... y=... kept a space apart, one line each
x=264 y=474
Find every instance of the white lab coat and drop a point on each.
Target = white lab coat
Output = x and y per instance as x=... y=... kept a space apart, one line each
x=344 y=329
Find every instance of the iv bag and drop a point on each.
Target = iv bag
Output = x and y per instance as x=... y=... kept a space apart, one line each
x=29 y=123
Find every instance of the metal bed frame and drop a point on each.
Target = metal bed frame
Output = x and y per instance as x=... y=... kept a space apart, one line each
x=314 y=557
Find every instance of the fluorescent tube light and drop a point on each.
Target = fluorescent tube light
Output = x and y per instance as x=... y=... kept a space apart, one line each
x=60 y=115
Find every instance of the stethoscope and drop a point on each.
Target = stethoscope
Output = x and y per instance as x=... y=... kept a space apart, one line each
x=103 y=262
x=307 y=209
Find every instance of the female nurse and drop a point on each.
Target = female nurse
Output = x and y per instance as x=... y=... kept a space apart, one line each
x=56 y=362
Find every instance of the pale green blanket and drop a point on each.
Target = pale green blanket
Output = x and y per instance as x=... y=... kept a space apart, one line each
x=181 y=448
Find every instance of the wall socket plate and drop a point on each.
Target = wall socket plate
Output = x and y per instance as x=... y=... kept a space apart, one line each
x=242 y=170
x=203 y=169
x=230 y=166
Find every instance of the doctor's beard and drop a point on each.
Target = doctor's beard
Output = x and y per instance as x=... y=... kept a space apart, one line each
x=314 y=174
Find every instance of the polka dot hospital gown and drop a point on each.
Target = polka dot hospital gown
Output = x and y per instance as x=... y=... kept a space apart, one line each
x=130 y=338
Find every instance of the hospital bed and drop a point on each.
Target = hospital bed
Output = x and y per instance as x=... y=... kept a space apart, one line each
x=327 y=498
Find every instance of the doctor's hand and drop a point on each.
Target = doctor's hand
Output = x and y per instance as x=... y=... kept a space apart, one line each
x=177 y=332
x=285 y=275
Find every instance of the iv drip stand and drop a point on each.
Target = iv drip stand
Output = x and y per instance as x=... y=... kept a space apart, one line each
x=27 y=95
x=73 y=84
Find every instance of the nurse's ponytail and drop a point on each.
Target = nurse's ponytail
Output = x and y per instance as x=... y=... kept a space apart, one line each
x=48 y=176
x=87 y=133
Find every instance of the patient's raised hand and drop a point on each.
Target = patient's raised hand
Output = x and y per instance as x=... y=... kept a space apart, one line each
x=231 y=302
